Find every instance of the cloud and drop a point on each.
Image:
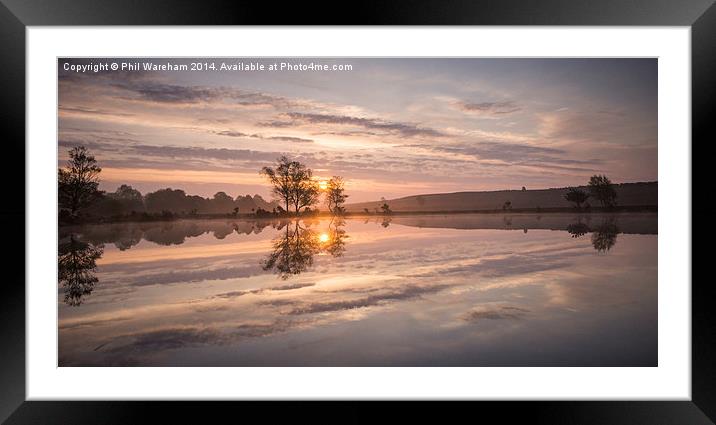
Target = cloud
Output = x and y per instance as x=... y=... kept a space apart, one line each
x=153 y=91
x=518 y=154
x=275 y=124
x=488 y=108
x=143 y=150
x=292 y=139
x=502 y=313
x=289 y=139
x=92 y=111
x=230 y=133
x=396 y=128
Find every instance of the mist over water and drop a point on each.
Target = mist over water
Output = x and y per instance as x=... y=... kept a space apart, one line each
x=412 y=290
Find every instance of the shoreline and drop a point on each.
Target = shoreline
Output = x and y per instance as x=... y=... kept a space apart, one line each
x=139 y=218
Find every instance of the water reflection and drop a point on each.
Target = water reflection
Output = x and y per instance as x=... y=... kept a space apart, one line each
x=335 y=241
x=604 y=235
x=296 y=245
x=429 y=290
x=77 y=264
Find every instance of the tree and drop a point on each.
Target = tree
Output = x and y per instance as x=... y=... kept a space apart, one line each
x=576 y=196
x=281 y=178
x=305 y=191
x=602 y=189
x=507 y=205
x=121 y=202
x=222 y=203
x=78 y=182
x=168 y=200
x=386 y=209
x=335 y=195
x=293 y=183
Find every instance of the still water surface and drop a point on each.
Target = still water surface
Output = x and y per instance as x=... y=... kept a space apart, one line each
x=440 y=290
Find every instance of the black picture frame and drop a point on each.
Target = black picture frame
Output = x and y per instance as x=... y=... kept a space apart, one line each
x=16 y=15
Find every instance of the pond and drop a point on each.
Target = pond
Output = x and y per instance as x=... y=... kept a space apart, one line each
x=404 y=290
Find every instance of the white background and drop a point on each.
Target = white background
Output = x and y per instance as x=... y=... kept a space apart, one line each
x=670 y=380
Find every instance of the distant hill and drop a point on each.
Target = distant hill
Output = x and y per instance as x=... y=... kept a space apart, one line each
x=643 y=194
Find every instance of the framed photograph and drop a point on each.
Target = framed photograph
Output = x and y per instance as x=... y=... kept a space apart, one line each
x=452 y=202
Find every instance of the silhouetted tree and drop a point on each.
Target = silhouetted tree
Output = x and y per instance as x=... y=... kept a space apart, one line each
x=335 y=195
x=507 y=205
x=282 y=179
x=576 y=196
x=602 y=189
x=386 y=209
x=293 y=183
x=305 y=190
x=78 y=182
x=123 y=201
x=76 y=264
x=169 y=200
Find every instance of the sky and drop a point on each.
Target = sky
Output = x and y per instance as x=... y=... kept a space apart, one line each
x=391 y=127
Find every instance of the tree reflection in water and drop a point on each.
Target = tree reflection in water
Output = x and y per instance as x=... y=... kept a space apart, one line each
x=77 y=264
x=578 y=229
x=294 y=249
x=604 y=236
x=336 y=241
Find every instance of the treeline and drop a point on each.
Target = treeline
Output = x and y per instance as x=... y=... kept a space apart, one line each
x=292 y=183
x=80 y=199
x=127 y=200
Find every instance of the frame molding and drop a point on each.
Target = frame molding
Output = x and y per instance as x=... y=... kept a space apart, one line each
x=16 y=15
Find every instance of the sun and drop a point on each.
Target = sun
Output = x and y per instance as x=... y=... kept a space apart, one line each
x=323 y=237
x=323 y=185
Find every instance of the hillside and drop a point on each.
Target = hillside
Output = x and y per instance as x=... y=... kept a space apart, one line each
x=628 y=194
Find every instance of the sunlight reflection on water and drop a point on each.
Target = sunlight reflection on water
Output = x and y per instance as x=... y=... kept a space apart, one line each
x=461 y=290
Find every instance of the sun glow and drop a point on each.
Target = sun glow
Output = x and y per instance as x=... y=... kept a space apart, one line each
x=323 y=185
x=323 y=237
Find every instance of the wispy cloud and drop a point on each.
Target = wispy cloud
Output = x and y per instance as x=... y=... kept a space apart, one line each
x=292 y=139
x=488 y=108
x=390 y=127
x=172 y=93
